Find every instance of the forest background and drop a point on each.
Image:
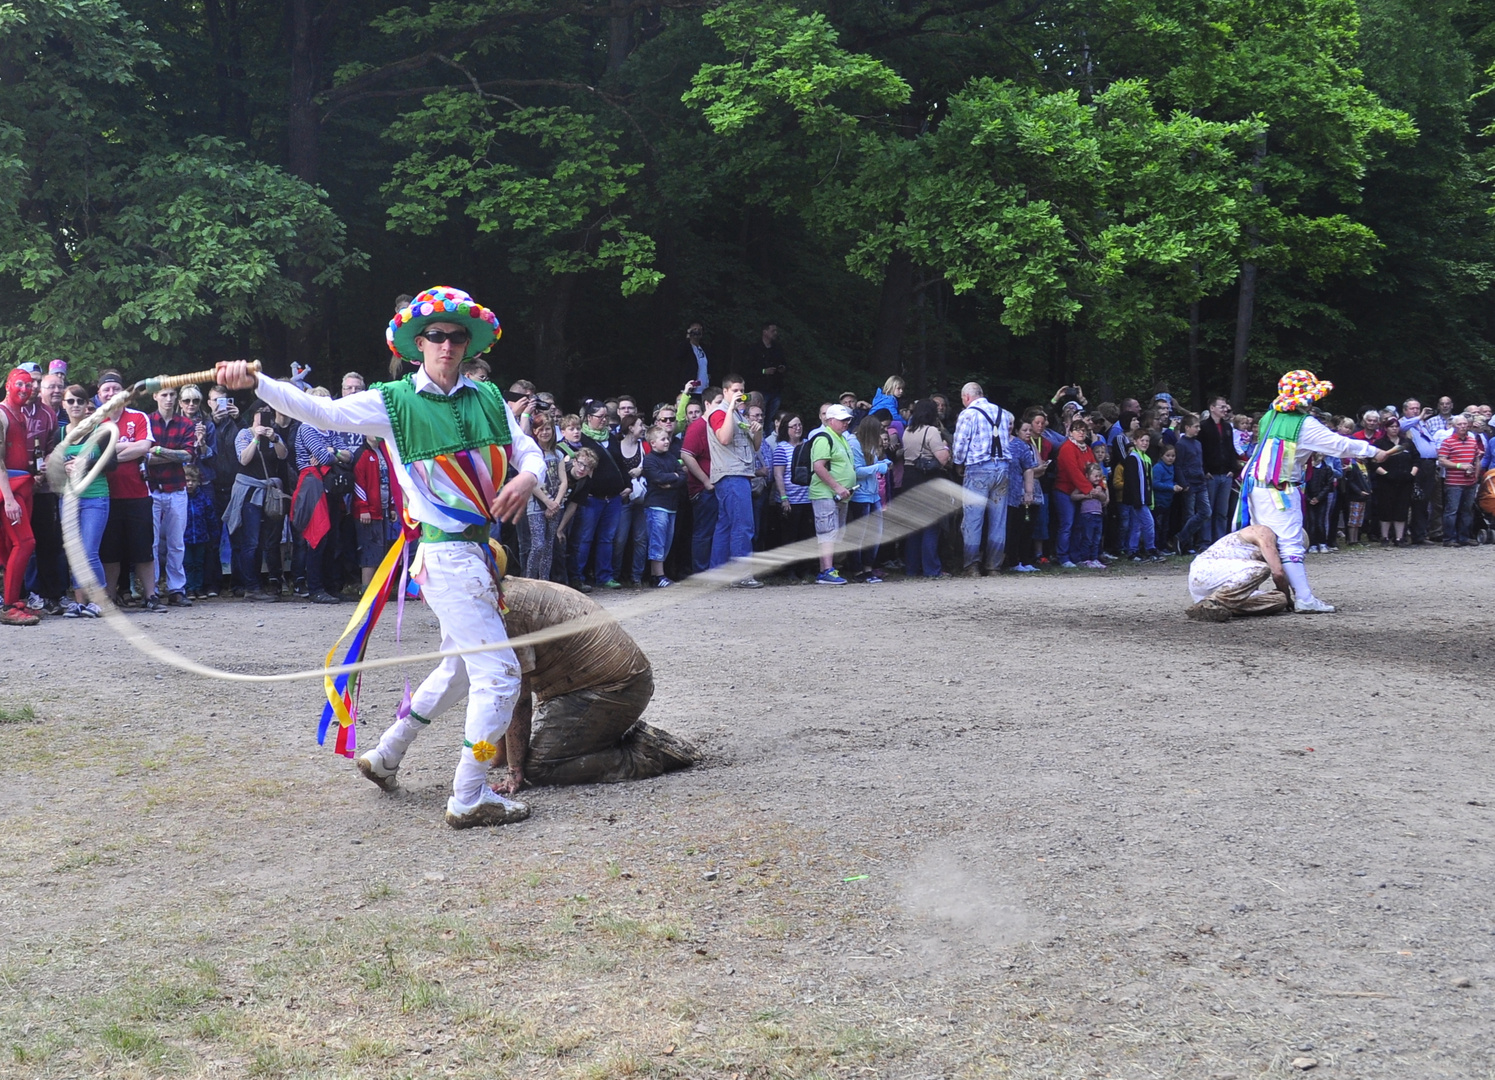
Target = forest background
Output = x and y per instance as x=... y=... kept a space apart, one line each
x=1119 y=193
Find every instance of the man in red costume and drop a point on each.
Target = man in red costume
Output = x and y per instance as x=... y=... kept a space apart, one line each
x=17 y=484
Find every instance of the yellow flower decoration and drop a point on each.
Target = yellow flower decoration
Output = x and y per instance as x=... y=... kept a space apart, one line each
x=484 y=750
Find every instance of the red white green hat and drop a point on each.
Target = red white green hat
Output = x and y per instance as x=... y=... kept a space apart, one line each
x=441 y=303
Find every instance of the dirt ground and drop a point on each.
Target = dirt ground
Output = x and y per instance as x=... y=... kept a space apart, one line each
x=1031 y=827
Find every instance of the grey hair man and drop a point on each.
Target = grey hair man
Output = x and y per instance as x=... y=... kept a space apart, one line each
x=979 y=449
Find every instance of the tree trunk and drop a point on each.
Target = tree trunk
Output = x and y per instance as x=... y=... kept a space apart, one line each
x=1244 y=312
x=550 y=336
x=892 y=316
x=1246 y=304
x=302 y=155
x=921 y=362
x=619 y=35
x=1196 y=391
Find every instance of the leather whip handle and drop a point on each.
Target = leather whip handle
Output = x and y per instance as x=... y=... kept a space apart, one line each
x=176 y=382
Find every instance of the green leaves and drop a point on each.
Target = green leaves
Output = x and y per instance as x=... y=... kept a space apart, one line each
x=546 y=179
x=788 y=66
x=112 y=239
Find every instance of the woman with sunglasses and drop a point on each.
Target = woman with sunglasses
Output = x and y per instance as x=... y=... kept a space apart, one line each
x=93 y=509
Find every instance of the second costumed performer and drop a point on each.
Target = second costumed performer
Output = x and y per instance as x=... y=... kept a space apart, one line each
x=1272 y=483
x=450 y=442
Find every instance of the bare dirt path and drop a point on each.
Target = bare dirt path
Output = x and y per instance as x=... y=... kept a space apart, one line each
x=1041 y=828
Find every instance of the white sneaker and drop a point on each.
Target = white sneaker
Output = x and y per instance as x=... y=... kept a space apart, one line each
x=373 y=767
x=35 y=603
x=490 y=809
x=1067 y=565
x=90 y=610
x=72 y=610
x=1311 y=605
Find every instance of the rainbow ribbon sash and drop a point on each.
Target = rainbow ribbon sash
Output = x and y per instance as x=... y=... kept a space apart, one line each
x=463 y=485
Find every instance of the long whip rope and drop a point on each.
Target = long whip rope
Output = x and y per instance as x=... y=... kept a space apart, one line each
x=915 y=509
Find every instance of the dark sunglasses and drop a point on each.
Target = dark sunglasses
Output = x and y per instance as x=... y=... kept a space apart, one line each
x=441 y=337
x=74 y=401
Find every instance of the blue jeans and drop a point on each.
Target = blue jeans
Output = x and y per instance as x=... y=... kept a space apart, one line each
x=921 y=553
x=986 y=480
x=1065 y=506
x=1217 y=492
x=661 y=532
x=258 y=540
x=1085 y=545
x=631 y=524
x=1136 y=530
x=702 y=530
x=1196 y=519
x=598 y=521
x=733 y=536
x=1458 y=511
x=93 y=514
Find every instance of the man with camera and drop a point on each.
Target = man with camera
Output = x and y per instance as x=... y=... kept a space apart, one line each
x=734 y=442
x=690 y=358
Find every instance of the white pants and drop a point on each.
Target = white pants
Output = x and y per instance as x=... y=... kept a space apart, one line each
x=1209 y=576
x=459 y=589
x=169 y=510
x=1292 y=540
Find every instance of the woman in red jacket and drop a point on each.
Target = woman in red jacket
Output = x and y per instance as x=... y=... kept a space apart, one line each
x=376 y=506
x=1072 y=459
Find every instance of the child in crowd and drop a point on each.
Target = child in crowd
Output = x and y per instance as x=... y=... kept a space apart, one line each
x=1188 y=471
x=1354 y=489
x=1164 y=487
x=1318 y=485
x=665 y=473
x=1088 y=522
x=202 y=529
x=570 y=434
x=579 y=468
x=1138 y=540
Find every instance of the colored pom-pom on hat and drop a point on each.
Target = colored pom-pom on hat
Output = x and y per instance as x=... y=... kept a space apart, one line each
x=441 y=303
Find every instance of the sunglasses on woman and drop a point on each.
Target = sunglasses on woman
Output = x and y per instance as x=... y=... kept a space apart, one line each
x=441 y=337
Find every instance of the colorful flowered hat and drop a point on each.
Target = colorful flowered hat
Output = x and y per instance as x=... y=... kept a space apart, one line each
x=1299 y=389
x=441 y=303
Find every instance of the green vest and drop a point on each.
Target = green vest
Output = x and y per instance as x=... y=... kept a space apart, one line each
x=430 y=424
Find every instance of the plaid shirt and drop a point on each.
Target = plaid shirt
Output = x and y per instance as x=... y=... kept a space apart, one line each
x=178 y=433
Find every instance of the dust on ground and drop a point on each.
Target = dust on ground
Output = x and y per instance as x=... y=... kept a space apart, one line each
x=1038 y=828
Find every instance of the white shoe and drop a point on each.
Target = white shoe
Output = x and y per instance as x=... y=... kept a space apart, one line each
x=1067 y=565
x=373 y=767
x=1311 y=605
x=490 y=809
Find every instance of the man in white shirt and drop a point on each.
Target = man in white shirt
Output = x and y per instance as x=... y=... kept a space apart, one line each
x=456 y=491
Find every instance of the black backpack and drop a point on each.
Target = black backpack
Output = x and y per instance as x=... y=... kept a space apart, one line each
x=800 y=471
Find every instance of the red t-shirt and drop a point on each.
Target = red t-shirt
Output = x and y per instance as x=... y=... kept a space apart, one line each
x=127 y=481
x=695 y=444
x=17 y=444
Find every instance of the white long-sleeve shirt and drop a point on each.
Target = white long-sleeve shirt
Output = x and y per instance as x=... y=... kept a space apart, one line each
x=366 y=414
x=1315 y=438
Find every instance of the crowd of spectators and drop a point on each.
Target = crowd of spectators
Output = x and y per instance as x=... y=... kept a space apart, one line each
x=208 y=496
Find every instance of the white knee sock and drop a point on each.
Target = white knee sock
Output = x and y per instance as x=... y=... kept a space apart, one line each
x=470 y=779
x=395 y=741
x=1297 y=576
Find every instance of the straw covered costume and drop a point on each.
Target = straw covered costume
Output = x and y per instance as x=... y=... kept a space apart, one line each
x=450 y=452
x=589 y=689
x=1272 y=483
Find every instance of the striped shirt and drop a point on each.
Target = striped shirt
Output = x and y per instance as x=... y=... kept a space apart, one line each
x=783 y=458
x=1465 y=451
x=981 y=433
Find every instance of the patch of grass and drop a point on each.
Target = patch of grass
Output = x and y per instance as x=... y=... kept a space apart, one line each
x=381 y=890
x=216 y=1025
x=420 y=994
x=78 y=860
x=617 y=1067
x=23 y=714
x=767 y=927
x=532 y=878
x=614 y=870
x=370 y=1051
x=266 y=788
x=275 y=1061
x=565 y=1043
x=135 y=1043
x=168 y=1000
